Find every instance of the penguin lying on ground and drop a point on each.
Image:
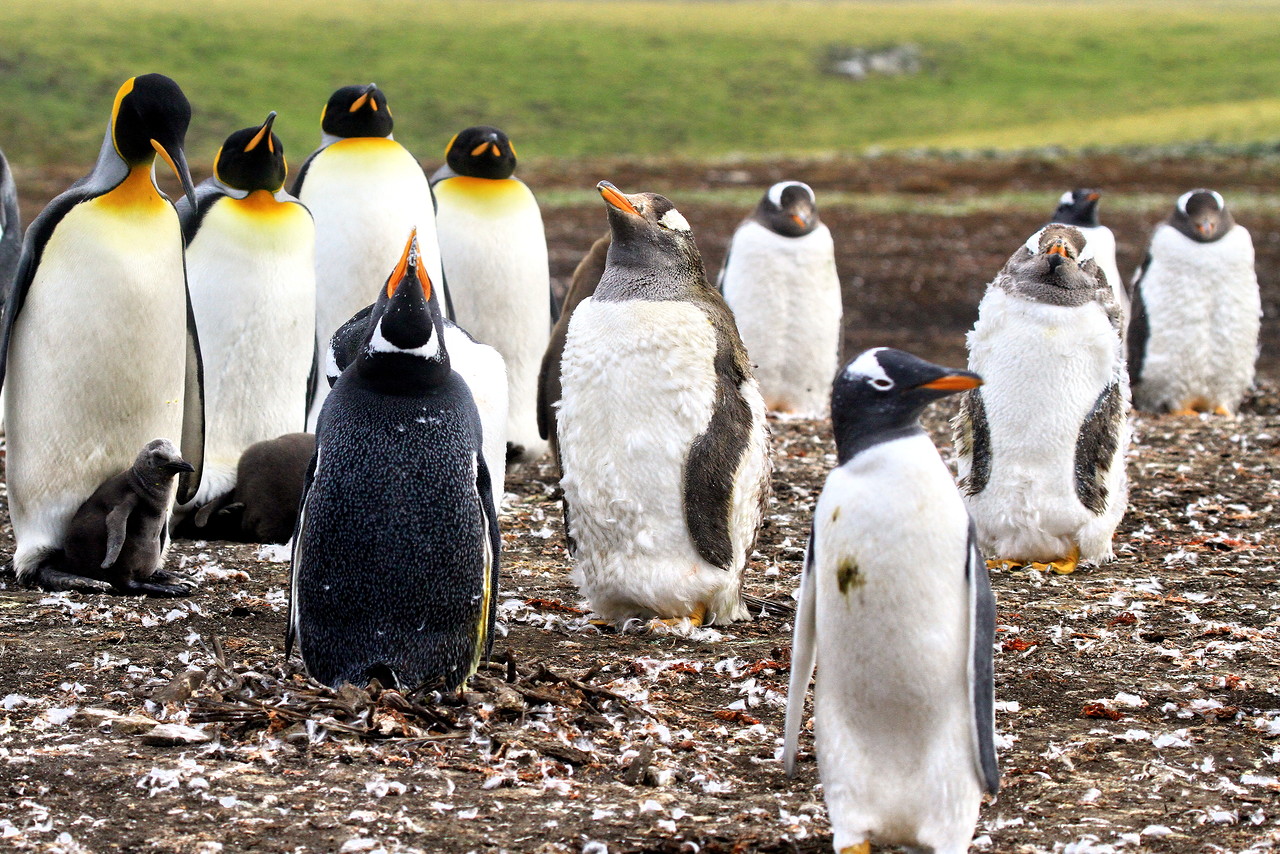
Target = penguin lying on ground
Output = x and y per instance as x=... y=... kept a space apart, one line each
x=1041 y=445
x=1193 y=340
x=662 y=430
x=896 y=611
x=1080 y=208
x=395 y=562
x=263 y=507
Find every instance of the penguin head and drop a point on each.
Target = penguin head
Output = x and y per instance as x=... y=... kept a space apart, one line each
x=357 y=111
x=481 y=152
x=788 y=208
x=160 y=460
x=1054 y=266
x=1078 y=208
x=879 y=396
x=252 y=159
x=1201 y=215
x=150 y=116
x=648 y=232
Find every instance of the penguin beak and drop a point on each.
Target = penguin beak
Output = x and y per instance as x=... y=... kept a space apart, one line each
x=799 y=220
x=264 y=131
x=958 y=381
x=1093 y=197
x=1057 y=247
x=366 y=98
x=178 y=163
x=616 y=198
x=1206 y=227
x=178 y=466
x=408 y=267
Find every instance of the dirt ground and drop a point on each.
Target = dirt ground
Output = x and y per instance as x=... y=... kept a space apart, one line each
x=1138 y=704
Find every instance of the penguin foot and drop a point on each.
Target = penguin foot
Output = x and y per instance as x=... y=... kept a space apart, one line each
x=1062 y=566
x=1183 y=412
x=860 y=848
x=157 y=590
x=680 y=625
x=1005 y=564
x=1222 y=410
x=55 y=580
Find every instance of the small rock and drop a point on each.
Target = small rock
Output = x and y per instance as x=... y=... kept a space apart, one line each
x=94 y=717
x=131 y=724
x=506 y=701
x=175 y=735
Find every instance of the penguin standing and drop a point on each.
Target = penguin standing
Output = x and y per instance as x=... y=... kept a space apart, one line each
x=494 y=254
x=780 y=280
x=251 y=269
x=365 y=192
x=1080 y=208
x=896 y=611
x=1193 y=338
x=1041 y=445
x=395 y=562
x=662 y=430
x=10 y=227
x=100 y=351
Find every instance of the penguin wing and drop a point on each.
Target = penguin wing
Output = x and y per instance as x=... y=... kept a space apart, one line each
x=295 y=561
x=973 y=442
x=982 y=680
x=192 y=410
x=1096 y=446
x=191 y=216
x=725 y=266
x=492 y=551
x=296 y=190
x=10 y=226
x=344 y=344
x=804 y=655
x=1139 y=324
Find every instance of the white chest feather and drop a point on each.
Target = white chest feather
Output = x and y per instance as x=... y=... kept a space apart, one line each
x=481 y=367
x=1103 y=245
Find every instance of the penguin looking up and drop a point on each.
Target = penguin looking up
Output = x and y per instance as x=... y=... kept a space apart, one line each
x=1193 y=339
x=780 y=280
x=100 y=351
x=1080 y=209
x=395 y=562
x=896 y=611
x=662 y=431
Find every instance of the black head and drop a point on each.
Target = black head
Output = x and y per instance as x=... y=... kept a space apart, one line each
x=879 y=397
x=1054 y=266
x=150 y=117
x=252 y=159
x=1078 y=208
x=481 y=152
x=357 y=111
x=649 y=235
x=160 y=460
x=788 y=208
x=1201 y=215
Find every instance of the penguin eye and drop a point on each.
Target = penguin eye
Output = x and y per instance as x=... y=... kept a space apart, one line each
x=882 y=383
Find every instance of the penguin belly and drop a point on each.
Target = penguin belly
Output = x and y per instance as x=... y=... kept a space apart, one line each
x=1045 y=367
x=638 y=387
x=1102 y=244
x=785 y=297
x=251 y=273
x=893 y=709
x=494 y=252
x=96 y=363
x=1203 y=314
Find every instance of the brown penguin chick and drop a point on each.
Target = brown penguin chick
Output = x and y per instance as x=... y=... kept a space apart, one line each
x=117 y=539
x=269 y=483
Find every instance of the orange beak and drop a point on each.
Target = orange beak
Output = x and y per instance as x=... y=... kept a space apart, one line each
x=1058 y=248
x=264 y=132
x=954 y=382
x=799 y=220
x=407 y=258
x=615 y=197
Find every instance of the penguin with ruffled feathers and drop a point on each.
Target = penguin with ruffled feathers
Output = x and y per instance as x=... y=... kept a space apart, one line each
x=10 y=227
x=1193 y=339
x=662 y=431
x=1041 y=445
x=780 y=280
x=896 y=611
x=1079 y=208
x=395 y=562
x=100 y=352
x=494 y=254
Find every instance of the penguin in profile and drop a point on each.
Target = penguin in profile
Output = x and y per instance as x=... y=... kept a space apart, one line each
x=10 y=227
x=395 y=562
x=100 y=351
x=896 y=611
x=251 y=270
x=780 y=280
x=365 y=193
x=1041 y=445
x=1080 y=209
x=1193 y=338
x=494 y=254
x=662 y=431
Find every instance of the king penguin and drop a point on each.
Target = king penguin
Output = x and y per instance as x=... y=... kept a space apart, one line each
x=251 y=269
x=100 y=353
x=896 y=611
x=365 y=192
x=662 y=430
x=10 y=227
x=1080 y=209
x=395 y=562
x=780 y=280
x=1041 y=445
x=1193 y=339
x=494 y=254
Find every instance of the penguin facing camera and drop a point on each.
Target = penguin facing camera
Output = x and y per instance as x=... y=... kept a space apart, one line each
x=1080 y=209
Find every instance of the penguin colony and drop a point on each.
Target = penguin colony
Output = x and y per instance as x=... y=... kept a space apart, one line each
x=200 y=329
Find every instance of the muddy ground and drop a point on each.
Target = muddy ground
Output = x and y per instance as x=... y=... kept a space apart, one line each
x=1138 y=703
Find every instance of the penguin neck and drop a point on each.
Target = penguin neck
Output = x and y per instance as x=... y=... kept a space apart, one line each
x=328 y=139
x=650 y=276
x=109 y=171
x=401 y=374
x=156 y=488
x=858 y=435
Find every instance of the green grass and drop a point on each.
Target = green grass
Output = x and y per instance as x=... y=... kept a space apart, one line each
x=702 y=80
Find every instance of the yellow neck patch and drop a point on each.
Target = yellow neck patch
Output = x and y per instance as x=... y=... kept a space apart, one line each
x=497 y=190
x=137 y=191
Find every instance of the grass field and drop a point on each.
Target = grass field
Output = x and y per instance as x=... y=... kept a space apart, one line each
x=696 y=79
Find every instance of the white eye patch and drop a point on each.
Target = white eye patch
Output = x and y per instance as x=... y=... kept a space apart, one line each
x=1186 y=197
x=673 y=220
x=776 y=191
x=1067 y=198
x=868 y=366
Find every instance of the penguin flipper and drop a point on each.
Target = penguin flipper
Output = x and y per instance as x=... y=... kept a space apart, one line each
x=1096 y=446
x=1139 y=327
x=712 y=463
x=344 y=345
x=192 y=216
x=492 y=552
x=982 y=635
x=192 y=412
x=973 y=442
x=291 y=634
x=10 y=227
x=118 y=528
x=804 y=655
x=296 y=190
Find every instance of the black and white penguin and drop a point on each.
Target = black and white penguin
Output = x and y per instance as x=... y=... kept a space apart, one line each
x=100 y=352
x=494 y=254
x=896 y=611
x=365 y=192
x=1041 y=445
x=1080 y=208
x=395 y=562
x=780 y=280
x=10 y=227
x=1193 y=339
x=662 y=430
x=251 y=270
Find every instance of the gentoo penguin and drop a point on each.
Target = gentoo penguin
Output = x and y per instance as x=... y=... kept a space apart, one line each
x=1041 y=445
x=1193 y=339
x=251 y=270
x=365 y=192
x=1080 y=208
x=263 y=507
x=662 y=430
x=10 y=227
x=395 y=562
x=494 y=254
x=896 y=611
x=780 y=280
x=116 y=541
x=100 y=351
x=585 y=278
